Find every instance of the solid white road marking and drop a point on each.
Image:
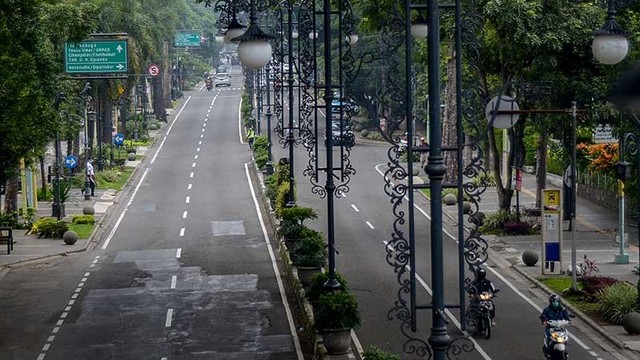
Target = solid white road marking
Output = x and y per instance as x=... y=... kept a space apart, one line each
x=126 y=208
x=355 y=208
x=182 y=232
x=370 y=225
x=265 y=235
x=169 y=130
x=240 y=123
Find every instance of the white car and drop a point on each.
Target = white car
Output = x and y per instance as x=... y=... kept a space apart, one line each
x=222 y=80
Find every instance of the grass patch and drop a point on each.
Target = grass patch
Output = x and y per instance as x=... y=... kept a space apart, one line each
x=426 y=192
x=115 y=183
x=83 y=230
x=561 y=283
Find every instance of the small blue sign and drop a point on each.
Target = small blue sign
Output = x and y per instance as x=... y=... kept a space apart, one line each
x=70 y=162
x=118 y=139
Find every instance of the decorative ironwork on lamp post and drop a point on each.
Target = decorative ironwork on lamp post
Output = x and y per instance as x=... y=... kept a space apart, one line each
x=395 y=102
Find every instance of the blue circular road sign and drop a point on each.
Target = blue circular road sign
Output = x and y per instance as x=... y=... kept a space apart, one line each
x=70 y=162
x=118 y=139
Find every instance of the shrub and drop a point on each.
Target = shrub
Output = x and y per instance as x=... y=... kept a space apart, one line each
x=271 y=190
x=374 y=353
x=298 y=214
x=517 y=228
x=260 y=144
x=494 y=222
x=45 y=194
x=484 y=179
x=261 y=160
x=281 y=172
x=83 y=219
x=49 y=228
x=309 y=251
x=317 y=288
x=109 y=175
x=337 y=310
x=616 y=301
x=592 y=285
x=282 y=198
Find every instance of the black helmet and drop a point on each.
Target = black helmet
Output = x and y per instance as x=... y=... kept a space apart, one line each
x=554 y=301
x=481 y=274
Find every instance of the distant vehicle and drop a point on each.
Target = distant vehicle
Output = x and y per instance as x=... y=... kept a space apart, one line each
x=341 y=133
x=222 y=79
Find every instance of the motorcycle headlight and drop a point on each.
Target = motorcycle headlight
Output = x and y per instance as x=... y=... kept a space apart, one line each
x=559 y=338
x=485 y=296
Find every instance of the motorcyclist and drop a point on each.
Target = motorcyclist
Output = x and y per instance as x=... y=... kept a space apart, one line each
x=209 y=82
x=482 y=284
x=555 y=311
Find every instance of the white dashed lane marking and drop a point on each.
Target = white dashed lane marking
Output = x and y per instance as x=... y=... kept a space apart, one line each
x=188 y=199
x=355 y=208
x=370 y=225
x=174 y=280
x=189 y=186
x=178 y=253
x=191 y=175
x=184 y=214
x=167 y=322
x=182 y=232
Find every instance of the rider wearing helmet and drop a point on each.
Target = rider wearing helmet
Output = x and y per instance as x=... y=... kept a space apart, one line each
x=482 y=284
x=555 y=311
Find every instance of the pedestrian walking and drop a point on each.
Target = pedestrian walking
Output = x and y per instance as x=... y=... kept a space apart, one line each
x=251 y=136
x=423 y=155
x=91 y=176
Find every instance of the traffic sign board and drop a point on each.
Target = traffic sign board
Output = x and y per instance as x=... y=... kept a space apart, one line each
x=154 y=70
x=70 y=162
x=96 y=57
x=118 y=139
x=190 y=39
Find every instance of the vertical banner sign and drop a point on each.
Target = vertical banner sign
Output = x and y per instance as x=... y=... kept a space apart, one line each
x=551 y=231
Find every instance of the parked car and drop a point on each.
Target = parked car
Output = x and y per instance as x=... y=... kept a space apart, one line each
x=341 y=133
x=222 y=80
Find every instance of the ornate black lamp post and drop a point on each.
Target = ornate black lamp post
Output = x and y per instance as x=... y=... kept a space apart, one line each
x=629 y=146
x=86 y=96
x=269 y=166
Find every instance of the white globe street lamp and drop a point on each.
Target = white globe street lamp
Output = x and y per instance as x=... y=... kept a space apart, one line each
x=610 y=44
x=419 y=29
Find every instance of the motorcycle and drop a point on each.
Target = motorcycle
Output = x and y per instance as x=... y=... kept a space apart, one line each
x=480 y=309
x=555 y=344
x=209 y=84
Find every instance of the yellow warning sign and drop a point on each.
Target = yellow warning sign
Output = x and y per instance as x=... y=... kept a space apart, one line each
x=551 y=197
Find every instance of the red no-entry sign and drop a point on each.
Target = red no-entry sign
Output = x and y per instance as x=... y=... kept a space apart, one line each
x=154 y=70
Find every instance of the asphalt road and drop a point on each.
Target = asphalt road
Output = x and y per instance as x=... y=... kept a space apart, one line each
x=183 y=272
x=364 y=224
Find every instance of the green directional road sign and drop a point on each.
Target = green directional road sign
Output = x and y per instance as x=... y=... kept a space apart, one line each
x=191 y=39
x=96 y=57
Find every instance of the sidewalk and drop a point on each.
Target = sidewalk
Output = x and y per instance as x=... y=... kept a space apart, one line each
x=596 y=229
x=29 y=247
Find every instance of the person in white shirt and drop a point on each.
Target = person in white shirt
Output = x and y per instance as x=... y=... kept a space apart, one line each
x=91 y=176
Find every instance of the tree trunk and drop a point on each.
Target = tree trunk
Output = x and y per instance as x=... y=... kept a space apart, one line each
x=11 y=194
x=504 y=192
x=541 y=163
x=449 y=128
x=43 y=174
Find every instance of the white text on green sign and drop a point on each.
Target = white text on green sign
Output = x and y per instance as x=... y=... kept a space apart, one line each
x=96 y=57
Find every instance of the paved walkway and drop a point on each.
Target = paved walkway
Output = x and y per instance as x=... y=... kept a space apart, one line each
x=28 y=247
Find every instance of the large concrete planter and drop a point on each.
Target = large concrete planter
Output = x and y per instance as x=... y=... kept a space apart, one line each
x=306 y=273
x=336 y=341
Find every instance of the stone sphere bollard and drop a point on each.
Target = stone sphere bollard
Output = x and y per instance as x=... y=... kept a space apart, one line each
x=530 y=257
x=466 y=207
x=364 y=132
x=450 y=199
x=89 y=210
x=70 y=237
x=153 y=126
x=131 y=156
x=631 y=323
x=478 y=218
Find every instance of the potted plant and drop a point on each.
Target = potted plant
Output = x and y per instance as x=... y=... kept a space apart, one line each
x=317 y=287
x=292 y=223
x=309 y=255
x=336 y=315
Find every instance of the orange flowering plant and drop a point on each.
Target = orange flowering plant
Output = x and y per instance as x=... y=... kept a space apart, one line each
x=598 y=157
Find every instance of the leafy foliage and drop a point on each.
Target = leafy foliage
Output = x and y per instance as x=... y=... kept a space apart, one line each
x=317 y=288
x=616 y=301
x=374 y=353
x=49 y=228
x=83 y=219
x=337 y=310
x=592 y=285
x=309 y=250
